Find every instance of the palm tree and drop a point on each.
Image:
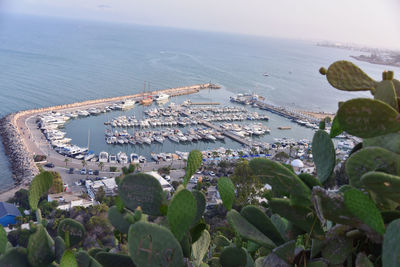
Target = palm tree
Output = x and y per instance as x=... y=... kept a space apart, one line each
x=241 y=153
x=228 y=152
x=101 y=165
x=83 y=163
x=215 y=154
x=66 y=160
x=253 y=150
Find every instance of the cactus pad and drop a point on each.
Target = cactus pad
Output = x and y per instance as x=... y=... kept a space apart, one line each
x=385 y=185
x=226 y=190
x=335 y=128
x=324 y=156
x=365 y=118
x=390 y=142
x=141 y=190
x=194 y=161
x=344 y=75
x=282 y=180
x=221 y=241
x=200 y=248
x=68 y=259
x=337 y=246
x=118 y=220
x=84 y=260
x=75 y=230
x=262 y=222
x=59 y=248
x=3 y=240
x=386 y=93
x=309 y=180
x=363 y=261
x=300 y=216
x=153 y=245
x=364 y=209
x=286 y=251
x=391 y=245
x=107 y=259
x=370 y=159
x=181 y=213
x=200 y=204
x=247 y=231
x=40 y=247
x=233 y=257
x=15 y=257
x=39 y=186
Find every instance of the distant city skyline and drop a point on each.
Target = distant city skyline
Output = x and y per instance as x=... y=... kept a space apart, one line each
x=373 y=23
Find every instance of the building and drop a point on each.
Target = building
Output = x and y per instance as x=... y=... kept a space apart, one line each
x=66 y=201
x=8 y=212
x=164 y=183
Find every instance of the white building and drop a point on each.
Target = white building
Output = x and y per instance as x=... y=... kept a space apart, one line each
x=164 y=183
x=66 y=201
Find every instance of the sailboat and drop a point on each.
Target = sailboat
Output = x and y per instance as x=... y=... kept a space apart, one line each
x=147 y=100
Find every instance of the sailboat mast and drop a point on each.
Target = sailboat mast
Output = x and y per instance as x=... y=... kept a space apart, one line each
x=88 y=141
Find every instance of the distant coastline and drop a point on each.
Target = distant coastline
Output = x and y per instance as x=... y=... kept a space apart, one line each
x=376 y=56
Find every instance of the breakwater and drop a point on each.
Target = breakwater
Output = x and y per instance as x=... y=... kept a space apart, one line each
x=22 y=164
x=16 y=136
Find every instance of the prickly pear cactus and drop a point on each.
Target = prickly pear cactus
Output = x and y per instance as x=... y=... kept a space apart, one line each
x=282 y=180
x=233 y=257
x=309 y=180
x=344 y=75
x=286 y=251
x=181 y=213
x=200 y=248
x=247 y=231
x=390 y=142
x=68 y=259
x=84 y=260
x=200 y=204
x=153 y=245
x=39 y=186
x=75 y=230
x=107 y=259
x=262 y=222
x=194 y=161
x=118 y=220
x=59 y=248
x=324 y=155
x=300 y=216
x=40 y=247
x=363 y=261
x=364 y=209
x=15 y=257
x=391 y=245
x=141 y=190
x=226 y=190
x=337 y=247
x=3 y=240
x=385 y=185
x=386 y=93
x=335 y=128
x=370 y=159
x=221 y=241
x=365 y=118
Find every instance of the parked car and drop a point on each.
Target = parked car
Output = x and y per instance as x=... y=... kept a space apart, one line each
x=211 y=173
x=71 y=170
x=49 y=165
x=96 y=172
x=168 y=178
x=193 y=180
x=83 y=171
x=90 y=172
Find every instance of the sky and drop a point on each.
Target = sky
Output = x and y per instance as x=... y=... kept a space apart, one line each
x=374 y=23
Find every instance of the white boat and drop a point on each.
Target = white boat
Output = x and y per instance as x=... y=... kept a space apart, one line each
x=113 y=158
x=161 y=97
x=127 y=104
x=142 y=159
x=173 y=138
x=134 y=158
x=181 y=137
x=103 y=156
x=80 y=156
x=122 y=157
x=159 y=139
x=89 y=156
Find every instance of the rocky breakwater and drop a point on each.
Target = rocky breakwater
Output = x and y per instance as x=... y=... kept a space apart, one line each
x=22 y=164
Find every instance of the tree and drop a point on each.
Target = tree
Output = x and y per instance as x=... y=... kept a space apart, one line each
x=253 y=150
x=245 y=182
x=66 y=160
x=21 y=198
x=100 y=194
x=83 y=163
x=57 y=185
x=101 y=165
x=228 y=152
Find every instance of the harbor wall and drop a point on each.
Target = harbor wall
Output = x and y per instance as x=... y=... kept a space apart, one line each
x=12 y=128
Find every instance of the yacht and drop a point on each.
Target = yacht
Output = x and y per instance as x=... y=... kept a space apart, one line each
x=146 y=101
x=103 y=156
x=122 y=157
x=173 y=138
x=134 y=158
x=113 y=158
x=89 y=156
x=161 y=97
x=142 y=159
x=127 y=104
x=159 y=138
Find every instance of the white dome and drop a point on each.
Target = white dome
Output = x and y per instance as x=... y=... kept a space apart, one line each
x=297 y=163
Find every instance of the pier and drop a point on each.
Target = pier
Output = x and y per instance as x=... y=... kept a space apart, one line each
x=203 y=103
x=227 y=133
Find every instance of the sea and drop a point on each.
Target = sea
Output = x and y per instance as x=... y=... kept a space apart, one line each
x=48 y=61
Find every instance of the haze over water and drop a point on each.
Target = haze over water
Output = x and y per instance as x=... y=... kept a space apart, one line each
x=46 y=61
